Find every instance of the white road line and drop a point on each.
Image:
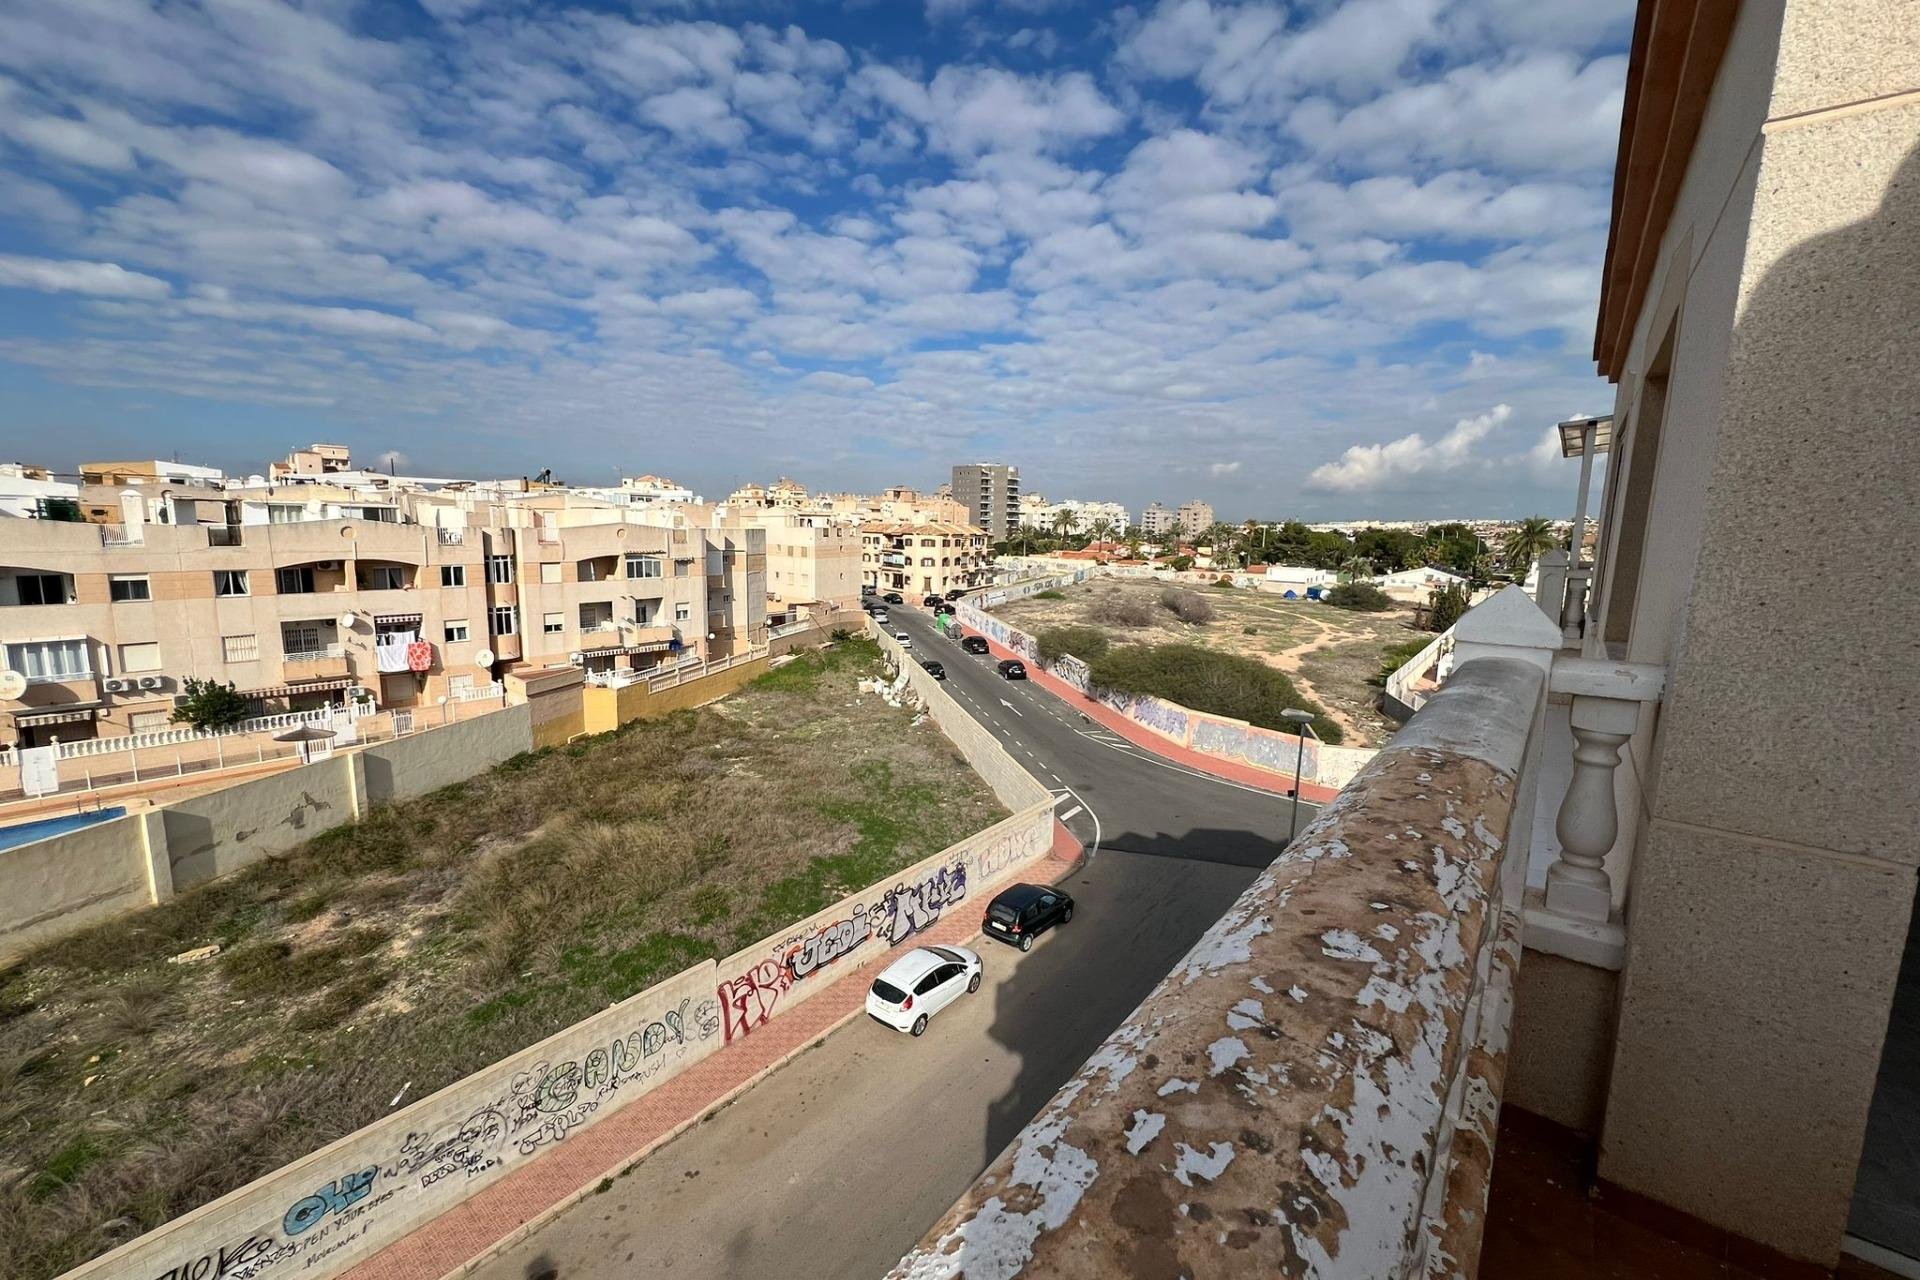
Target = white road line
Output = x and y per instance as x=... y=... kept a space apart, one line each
x=1009 y=706
x=1071 y=812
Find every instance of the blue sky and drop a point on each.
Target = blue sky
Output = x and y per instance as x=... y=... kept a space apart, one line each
x=1311 y=259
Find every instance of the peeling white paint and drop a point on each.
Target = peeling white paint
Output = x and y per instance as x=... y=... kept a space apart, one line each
x=1225 y=1052
x=1260 y=984
x=1387 y=932
x=1247 y=1015
x=1345 y=944
x=1206 y=1165
x=1178 y=1085
x=1298 y=993
x=1146 y=1127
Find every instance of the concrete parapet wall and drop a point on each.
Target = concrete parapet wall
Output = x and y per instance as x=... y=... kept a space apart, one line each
x=605 y=710
x=1331 y=1051
x=345 y=1202
x=58 y=885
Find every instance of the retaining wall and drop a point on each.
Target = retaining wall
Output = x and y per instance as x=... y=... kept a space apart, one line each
x=607 y=709
x=64 y=883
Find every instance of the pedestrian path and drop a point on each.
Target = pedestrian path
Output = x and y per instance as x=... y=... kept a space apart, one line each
x=514 y=1207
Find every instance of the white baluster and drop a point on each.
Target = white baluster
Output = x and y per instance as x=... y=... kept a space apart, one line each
x=1550 y=593
x=1588 y=824
x=1573 y=618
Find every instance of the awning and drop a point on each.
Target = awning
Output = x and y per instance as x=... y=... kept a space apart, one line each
x=310 y=686
x=68 y=716
x=380 y=619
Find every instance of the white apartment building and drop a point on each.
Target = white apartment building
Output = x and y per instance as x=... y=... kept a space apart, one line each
x=1037 y=513
x=1156 y=520
x=919 y=559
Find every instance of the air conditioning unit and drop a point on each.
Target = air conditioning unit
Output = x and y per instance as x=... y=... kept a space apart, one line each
x=151 y=683
x=576 y=658
x=114 y=685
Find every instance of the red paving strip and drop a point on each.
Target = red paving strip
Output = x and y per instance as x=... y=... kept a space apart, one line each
x=510 y=1210
x=1138 y=734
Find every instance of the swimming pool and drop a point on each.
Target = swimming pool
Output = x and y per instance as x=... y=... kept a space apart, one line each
x=28 y=832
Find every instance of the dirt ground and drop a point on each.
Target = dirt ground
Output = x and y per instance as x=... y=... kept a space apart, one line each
x=385 y=959
x=1328 y=653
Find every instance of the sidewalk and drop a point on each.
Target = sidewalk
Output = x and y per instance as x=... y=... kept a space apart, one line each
x=1105 y=716
x=520 y=1203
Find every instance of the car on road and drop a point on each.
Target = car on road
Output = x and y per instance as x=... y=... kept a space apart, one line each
x=894 y=597
x=934 y=601
x=920 y=984
x=906 y=641
x=880 y=616
x=934 y=669
x=946 y=608
x=1020 y=913
x=974 y=644
x=1013 y=669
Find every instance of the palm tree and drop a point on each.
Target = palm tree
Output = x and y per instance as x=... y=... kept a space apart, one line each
x=1064 y=521
x=1527 y=542
x=1101 y=528
x=1356 y=568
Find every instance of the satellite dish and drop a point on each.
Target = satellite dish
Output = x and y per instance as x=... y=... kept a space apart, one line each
x=347 y=619
x=483 y=658
x=12 y=685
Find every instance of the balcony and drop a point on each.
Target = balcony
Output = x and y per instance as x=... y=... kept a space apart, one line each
x=328 y=663
x=450 y=537
x=1342 y=1033
x=225 y=535
x=605 y=634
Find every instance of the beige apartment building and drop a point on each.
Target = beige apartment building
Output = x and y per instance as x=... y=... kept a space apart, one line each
x=813 y=560
x=1195 y=517
x=922 y=559
x=106 y=623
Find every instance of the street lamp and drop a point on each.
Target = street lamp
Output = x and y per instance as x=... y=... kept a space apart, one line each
x=1302 y=722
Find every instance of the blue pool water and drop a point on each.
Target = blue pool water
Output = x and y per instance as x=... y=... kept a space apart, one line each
x=28 y=832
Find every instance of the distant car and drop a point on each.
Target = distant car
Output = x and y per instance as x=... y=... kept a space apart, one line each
x=920 y=984
x=1020 y=913
x=954 y=593
x=934 y=669
x=894 y=597
x=906 y=641
x=934 y=601
x=867 y=589
x=880 y=616
x=945 y=608
x=1013 y=669
x=974 y=644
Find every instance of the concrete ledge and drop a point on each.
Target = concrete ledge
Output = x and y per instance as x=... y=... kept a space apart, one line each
x=1314 y=1090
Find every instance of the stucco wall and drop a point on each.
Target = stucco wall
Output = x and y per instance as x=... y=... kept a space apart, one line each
x=222 y=831
x=604 y=710
x=423 y=762
x=55 y=886
x=318 y=1215
x=1012 y=784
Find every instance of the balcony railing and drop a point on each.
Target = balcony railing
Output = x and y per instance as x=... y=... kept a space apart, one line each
x=451 y=537
x=315 y=655
x=224 y=535
x=1341 y=1033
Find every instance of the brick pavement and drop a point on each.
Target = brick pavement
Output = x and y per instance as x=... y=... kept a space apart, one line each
x=509 y=1210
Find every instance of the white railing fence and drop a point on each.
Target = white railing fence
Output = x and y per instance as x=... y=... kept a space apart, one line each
x=478 y=692
x=85 y=747
x=1431 y=662
x=315 y=655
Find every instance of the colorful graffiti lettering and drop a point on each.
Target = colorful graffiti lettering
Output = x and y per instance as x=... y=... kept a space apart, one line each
x=746 y=1002
x=822 y=947
x=905 y=910
x=211 y=1266
x=332 y=1198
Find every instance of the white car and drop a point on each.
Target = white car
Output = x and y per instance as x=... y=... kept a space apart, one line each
x=880 y=616
x=920 y=984
x=906 y=641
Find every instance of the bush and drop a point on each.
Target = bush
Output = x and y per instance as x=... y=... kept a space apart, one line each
x=1394 y=658
x=1249 y=631
x=1117 y=610
x=1222 y=684
x=208 y=704
x=1188 y=606
x=1048 y=594
x=1180 y=564
x=1223 y=581
x=1084 y=643
x=1445 y=605
x=1363 y=596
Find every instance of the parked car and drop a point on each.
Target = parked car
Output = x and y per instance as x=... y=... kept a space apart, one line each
x=868 y=589
x=954 y=593
x=945 y=608
x=1020 y=913
x=934 y=601
x=974 y=644
x=880 y=616
x=920 y=984
x=934 y=669
x=894 y=597
x=906 y=641
x=1013 y=669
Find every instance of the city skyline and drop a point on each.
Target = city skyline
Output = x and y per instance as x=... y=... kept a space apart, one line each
x=867 y=242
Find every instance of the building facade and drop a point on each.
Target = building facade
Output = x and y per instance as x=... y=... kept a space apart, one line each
x=1195 y=517
x=1156 y=520
x=991 y=493
x=1085 y=517
x=923 y=559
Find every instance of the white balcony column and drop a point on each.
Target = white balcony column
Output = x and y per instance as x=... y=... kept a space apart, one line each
x=1606 y=701
x=1550 y=592
x=1573 y=617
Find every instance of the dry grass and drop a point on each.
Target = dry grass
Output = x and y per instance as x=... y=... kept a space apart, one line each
x=437 y=936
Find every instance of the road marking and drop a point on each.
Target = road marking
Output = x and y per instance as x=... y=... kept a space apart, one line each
x=1009 y=706
x=1071 y=812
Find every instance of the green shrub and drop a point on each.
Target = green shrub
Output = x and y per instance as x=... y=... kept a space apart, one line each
x=1188 y=606
x=1363 y=596
x=1048 y=595
x=1084 y=643
x=1180 y=563
x=1221 y=684
x=1394 y=658
x=1445 y=605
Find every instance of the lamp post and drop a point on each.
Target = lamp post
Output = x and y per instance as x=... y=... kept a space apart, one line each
x=1302 y=722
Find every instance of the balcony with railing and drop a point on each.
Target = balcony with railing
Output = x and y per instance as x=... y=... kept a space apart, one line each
x=225 y=535
x=1334 y=1052
x=328 y=662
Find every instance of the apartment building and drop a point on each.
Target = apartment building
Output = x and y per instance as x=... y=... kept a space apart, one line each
x=1195 y=517
x=106 y=623
x=1156 y=521
x=1084 y=517
x=813 y=559
x=923 y=559
x=991 y=493
x=314 y=460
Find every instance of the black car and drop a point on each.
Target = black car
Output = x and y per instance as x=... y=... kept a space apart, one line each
x=894 y=597
x=1022 y=912
x=1013 y=669
x=974 y=644
x=945 y=608
x=934 y=669
x=934 y=601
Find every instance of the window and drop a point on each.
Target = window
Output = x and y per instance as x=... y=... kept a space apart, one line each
x=682 y=612
x=500 y=570
x=383 y=577
x=588 y=571
x=302 y=639
x=453 y=575
x=643 y=612
x=123 y=587
x=230 y=582
x=554 y=623
x=149 y=721
x=139 y=657
x=643 y=567
x=503 y=620
x=239 y=648
x=680 y=569
x=297 y=581
x=43 y=588
x=550 y=572
x=51 y=659
x=455 y=632
x=285 y=513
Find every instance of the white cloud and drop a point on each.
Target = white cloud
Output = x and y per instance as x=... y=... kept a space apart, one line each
x=1374 y=467
x=96 y=279
x=1223 y=468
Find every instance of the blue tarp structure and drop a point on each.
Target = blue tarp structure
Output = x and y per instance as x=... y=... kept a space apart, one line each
x=1313 y=593
x=1288 y=594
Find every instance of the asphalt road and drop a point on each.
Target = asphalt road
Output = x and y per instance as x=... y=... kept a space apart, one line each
x=838 y=1163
